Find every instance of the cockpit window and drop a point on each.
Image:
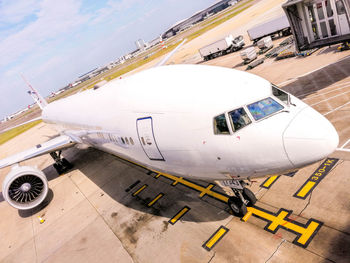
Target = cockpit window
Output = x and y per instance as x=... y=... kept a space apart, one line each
x=239 y=119
x=264 y=108
x=280 y=94
x=220 y=125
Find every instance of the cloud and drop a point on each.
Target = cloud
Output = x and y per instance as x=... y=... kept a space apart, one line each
x=15 y=11
x=55 y=21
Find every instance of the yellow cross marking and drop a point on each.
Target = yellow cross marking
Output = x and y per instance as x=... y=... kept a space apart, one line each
x=305 y=232
x=205 y=191
x=279 y=220
x=176 y=181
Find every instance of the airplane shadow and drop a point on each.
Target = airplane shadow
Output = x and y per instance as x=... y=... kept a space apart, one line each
x=319 y=79
x=114 y=176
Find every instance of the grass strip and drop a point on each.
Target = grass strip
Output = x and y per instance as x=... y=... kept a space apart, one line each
x=8 y=135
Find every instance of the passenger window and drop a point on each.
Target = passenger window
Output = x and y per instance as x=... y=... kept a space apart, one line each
x=239 y=119
x=131 y=141
x=340 y=7
x=143 y=141
x=264 y=108
x=280 y=94
x=220 y=125
x=123 y=140
x=127 y=141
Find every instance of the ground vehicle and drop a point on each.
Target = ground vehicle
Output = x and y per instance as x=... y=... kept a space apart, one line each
x=323 y=22
x=222 y=47
x=279 y=25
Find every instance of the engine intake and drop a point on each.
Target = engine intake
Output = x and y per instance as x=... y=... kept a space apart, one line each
x=25 y=187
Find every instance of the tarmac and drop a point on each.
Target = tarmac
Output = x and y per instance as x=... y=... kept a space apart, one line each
x=109 y=210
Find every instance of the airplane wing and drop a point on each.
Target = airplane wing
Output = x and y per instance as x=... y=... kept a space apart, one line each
x=56 y=144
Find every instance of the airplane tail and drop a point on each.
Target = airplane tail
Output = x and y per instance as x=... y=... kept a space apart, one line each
x=35 y=94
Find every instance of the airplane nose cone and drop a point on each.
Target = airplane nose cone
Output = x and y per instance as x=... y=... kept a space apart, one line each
x=309 y=137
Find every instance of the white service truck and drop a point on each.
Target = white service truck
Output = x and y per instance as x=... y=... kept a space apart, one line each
x=279 y=25
x=222 y=47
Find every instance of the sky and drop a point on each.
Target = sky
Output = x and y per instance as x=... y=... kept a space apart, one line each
x=52 y=42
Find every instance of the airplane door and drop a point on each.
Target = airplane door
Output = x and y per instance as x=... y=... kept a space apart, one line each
x=147 y=140
x=342 y=17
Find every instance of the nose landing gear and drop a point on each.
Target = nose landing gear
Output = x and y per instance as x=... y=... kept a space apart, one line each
x=243 y=197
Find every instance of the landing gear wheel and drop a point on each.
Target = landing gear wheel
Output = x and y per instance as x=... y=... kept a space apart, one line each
x=67 y=164
x=58 y=168
x=61 y=164
x=237 y=207
x=250 y=196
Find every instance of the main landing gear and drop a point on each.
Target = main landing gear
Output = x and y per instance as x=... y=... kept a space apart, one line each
x=61 y=164
x=243 y=197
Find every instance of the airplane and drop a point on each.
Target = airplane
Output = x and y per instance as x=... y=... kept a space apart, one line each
x=194 y=121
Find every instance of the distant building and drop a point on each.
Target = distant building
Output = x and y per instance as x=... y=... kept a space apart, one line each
x=197 y=17
x=140 y=44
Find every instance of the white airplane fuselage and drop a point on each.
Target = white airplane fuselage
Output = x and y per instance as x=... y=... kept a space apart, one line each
x=163 y=118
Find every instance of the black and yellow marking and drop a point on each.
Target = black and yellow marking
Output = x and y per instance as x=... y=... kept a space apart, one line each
x=320 y=173
x=179 y=215
x=304 y=232
x=159 y=196
x=140 y=190
x=215 y=238
x=269 y=181
x=132 y=186
x=208 y=190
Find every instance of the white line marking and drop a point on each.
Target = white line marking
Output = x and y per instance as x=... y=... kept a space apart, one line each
x=312 y=71
x=342 y=150
x=330 y=98
x=336 y=108
x=345 y=143
x=321 y=94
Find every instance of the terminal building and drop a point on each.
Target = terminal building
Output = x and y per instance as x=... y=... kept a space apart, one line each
x=317 y=23
x=197 y=17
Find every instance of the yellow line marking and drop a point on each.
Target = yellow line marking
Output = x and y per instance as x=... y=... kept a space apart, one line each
x=305 y=233
x=317 y=176
x=279 y=220
x=139 y=190
x=179 y=215
x=155 y=199
x=270 y=181
x=204 y=192
x=215 y=238
x=306 y=189
x=177 y=181
x=197 y=187
x=247 y=216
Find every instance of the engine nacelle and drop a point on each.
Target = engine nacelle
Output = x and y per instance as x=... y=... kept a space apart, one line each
x=25 y=187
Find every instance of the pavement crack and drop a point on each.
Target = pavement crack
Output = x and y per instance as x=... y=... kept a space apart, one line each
x=280 y=244
x=35 y=248
x=308 y=203
x=212 y=257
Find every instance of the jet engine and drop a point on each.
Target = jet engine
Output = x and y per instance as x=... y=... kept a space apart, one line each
x=25 y=187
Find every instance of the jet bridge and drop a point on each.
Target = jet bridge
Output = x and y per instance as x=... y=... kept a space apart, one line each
x=317 y=23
